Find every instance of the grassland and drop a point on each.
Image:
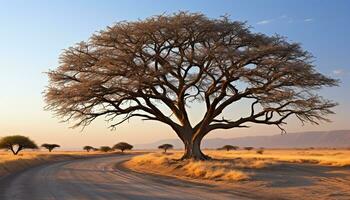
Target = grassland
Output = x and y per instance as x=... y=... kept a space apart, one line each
x=278 y=173
x=10 y=163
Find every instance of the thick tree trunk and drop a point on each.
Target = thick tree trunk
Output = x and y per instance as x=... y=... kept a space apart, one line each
x=193 y=150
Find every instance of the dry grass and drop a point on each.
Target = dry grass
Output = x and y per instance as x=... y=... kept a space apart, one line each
x=10 y=163
x=233 y=165
x=166 y=164
x=325 y=157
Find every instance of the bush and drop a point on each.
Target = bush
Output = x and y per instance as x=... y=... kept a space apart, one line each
x=248 y=148
x=260 y=151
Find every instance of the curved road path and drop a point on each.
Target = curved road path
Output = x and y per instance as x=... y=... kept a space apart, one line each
x=101 y=178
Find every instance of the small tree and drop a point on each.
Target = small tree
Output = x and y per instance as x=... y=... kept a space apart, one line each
x=88 y=148
x=17 y=141
x=50 y=147
x=229 y=147
x=165 y=147
x=105 y=149
x=123 y=146
x=260 y=151
x=248 y=148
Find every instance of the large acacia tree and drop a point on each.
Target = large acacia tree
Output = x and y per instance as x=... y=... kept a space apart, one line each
x=155 y=68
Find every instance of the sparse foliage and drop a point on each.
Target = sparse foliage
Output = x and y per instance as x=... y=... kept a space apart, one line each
x=88 y=148
x=17 y=143
x=248 y=148
x=105 y=149
x=122 y=146
x=157 y=67
x=165 y=147
x=50 y=147
x=229 y=147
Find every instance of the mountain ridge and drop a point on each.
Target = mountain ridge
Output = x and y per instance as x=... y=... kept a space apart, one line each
x=335 y=138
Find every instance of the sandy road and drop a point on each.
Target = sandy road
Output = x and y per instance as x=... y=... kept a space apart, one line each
x=100 y=178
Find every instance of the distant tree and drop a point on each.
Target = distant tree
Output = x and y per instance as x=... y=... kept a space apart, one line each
x=260 y=151
x=105 y=149
x=229 y=147
x=50 y=147
x=123 y=146
x=156 y=68
x=88 y=148
x=95 y=149
x=165 y=147
x=17 y=143
x=248 y=148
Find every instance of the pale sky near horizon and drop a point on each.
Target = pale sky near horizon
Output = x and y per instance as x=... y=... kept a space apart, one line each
x=33 y=34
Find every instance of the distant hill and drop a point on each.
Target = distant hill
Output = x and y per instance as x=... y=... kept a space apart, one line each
x=339 y=138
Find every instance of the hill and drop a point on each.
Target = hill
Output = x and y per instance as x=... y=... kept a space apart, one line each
x=339 y=138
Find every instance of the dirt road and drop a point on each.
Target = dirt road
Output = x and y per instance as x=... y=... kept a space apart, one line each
x=101 y=178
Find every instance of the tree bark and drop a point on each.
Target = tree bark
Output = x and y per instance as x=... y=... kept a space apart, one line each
x=193 y=150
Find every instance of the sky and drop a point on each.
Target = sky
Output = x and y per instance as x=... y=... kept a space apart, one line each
x=34 y=33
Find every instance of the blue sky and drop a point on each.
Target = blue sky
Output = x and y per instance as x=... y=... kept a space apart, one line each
x=33 y=33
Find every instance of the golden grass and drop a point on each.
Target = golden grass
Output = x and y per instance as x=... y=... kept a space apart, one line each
x=327 y=157
x=166 y=164
x=233 y=165
x=10 y=163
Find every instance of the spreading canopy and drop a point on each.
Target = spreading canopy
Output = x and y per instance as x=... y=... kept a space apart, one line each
x=105 y=148
x=155 y=68
x=50 y=147
x=229 y=147
x=123 y=146
x=17 y=143
x=88 y=148
x=165 y=147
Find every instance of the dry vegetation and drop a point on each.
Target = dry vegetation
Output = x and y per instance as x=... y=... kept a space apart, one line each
x=275 y=174
x=234 y=165
x=10 y=163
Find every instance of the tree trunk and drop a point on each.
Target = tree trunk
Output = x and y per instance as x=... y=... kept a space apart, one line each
x=13 y=151
x=193 y=150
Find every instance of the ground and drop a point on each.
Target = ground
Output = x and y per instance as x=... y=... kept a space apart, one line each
x=10 y=163
x=274 y=174
x=294 y=174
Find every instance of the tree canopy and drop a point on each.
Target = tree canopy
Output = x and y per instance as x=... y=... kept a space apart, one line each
x=229 y=147
x=156 y=68
x=105 y=148
x=88 y=148
x=50 y=147
x=165 y=147
x=123 y=146
x=17 y=143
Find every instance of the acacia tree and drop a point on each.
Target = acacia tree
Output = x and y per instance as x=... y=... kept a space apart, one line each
x=156 y=68
x=50 y=147
x=122 y=146
x=165 y=147
x=88 y=148
x=17 y=143
x=229 y=147
x=248 y=148
x=105 y=148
